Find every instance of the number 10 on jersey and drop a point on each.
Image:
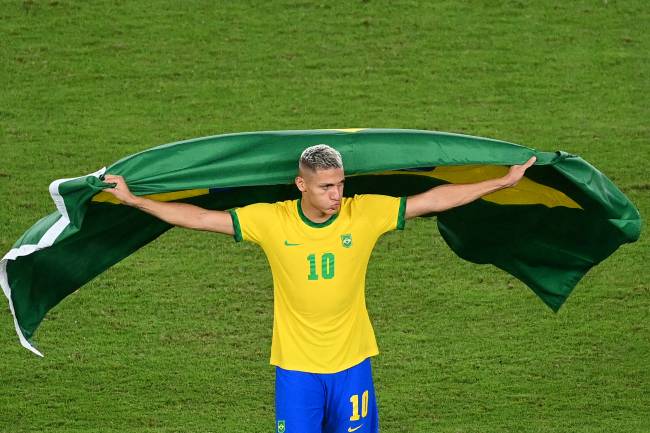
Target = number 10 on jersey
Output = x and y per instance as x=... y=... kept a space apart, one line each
x=327 y=266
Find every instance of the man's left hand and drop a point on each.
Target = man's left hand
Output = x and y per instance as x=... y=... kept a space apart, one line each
x=516 y=172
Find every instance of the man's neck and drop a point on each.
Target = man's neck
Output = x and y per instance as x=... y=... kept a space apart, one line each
x=313 y=214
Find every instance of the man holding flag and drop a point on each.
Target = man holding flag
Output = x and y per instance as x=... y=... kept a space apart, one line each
x=318 y=248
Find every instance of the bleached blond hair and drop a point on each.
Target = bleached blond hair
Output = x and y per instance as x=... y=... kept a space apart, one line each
x=320 y=157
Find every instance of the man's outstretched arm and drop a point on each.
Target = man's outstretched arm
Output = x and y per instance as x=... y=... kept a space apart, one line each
x=178 y=214
x=444 y=197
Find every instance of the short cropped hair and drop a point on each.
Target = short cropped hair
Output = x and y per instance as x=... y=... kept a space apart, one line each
x=320 y=157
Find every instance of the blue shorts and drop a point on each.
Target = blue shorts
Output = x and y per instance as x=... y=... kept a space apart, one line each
x=342 y=402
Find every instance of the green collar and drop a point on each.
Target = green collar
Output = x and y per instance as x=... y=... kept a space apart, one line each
x=310 y=223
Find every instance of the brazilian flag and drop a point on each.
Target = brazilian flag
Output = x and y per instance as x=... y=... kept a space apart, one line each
x=563 y=218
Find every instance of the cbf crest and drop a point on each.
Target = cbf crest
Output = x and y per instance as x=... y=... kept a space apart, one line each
x=281 y=426
x=346 y=240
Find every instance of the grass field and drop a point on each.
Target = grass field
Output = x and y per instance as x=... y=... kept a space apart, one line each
x=464 y=348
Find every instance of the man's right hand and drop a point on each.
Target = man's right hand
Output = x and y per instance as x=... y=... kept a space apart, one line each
x=121 y=190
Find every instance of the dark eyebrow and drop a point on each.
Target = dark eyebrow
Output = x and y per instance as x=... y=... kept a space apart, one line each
x=330 y=184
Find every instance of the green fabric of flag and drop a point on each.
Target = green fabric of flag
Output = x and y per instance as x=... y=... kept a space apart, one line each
x=560 y=221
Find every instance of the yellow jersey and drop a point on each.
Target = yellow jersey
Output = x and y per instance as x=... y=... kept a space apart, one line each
x=320 y=320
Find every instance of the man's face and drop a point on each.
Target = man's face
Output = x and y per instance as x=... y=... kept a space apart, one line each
x=322 y=189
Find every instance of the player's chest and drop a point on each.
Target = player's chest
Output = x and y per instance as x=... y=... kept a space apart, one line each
x=320 y=255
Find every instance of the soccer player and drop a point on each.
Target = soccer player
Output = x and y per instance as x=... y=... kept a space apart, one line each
x=318 y=248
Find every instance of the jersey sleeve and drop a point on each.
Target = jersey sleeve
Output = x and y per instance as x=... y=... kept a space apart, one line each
x=252 y=222
x=383 y=213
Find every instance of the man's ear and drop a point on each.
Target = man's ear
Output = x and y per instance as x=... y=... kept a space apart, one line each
x=300 y=183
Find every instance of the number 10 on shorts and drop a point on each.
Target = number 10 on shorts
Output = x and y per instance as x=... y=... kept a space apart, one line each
x=355 y=406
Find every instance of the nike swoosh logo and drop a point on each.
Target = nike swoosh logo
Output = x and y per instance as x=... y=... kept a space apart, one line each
x=289 y=244
x=350 y=429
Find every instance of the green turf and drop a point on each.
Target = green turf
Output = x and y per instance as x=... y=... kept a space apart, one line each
x=464 y=348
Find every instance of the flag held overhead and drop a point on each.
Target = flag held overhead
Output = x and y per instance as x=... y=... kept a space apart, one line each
x=558 y=222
